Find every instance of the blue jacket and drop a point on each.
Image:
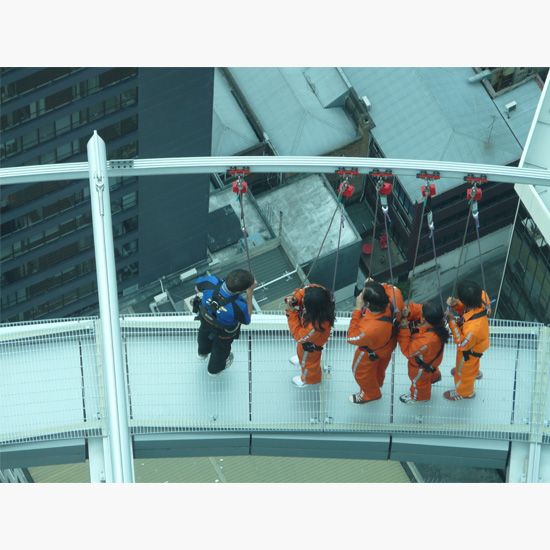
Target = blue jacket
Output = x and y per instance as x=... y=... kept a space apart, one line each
x=229 y=315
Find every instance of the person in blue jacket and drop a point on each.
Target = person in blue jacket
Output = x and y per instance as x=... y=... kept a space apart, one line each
x=221 y=310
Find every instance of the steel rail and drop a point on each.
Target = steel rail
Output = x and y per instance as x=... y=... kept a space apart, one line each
x=283 y=164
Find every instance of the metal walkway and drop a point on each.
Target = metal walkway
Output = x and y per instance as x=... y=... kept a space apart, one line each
x=53 y=397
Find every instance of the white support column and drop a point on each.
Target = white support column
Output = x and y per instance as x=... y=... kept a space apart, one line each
x=117 y=410
x=99 y=460
x=528 y=460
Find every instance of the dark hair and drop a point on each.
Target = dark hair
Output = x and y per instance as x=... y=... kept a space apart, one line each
x=432 y=312
x=469 y=293
x=376 y=296
x=319 y=307
x=239 y=280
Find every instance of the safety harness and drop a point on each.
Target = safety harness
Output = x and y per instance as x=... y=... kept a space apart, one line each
x=470 y=353
x=208 y=310
x=395 y=329
x=310 y=346
x=428 y=366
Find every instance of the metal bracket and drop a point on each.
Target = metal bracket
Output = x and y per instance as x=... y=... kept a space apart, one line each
x=118 y=164
x=428 y=176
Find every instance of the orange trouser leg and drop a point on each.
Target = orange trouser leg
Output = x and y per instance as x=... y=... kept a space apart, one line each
x=366 y=374
x=382 y=365
x=310 y=363
x=465 y=374
x=421 y=383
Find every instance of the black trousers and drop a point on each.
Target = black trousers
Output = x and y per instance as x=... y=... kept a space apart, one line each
x=215 y=342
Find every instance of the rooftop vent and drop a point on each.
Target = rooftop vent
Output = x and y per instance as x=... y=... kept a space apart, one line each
x=509 y=107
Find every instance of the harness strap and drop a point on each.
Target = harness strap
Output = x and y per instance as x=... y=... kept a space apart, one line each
x=310 y=346
x=479 y=315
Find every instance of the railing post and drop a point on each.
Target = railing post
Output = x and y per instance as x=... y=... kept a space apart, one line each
x=119 y=438
x=540 y=395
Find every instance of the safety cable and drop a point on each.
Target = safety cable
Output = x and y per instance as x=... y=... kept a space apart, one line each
x=369 y=274
x=437 y=269
x=338 y=247
x=462 y=249
x=386 y=217
x=416 y=249
x=506 y=259
x=342 y=188
x=476 y=218
x=245 y=232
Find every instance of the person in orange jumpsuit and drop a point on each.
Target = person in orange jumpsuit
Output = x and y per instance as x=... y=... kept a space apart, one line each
x=396 y=305
x=471 y=335
x=310 y=315
x=422 y=338
x=371 y=329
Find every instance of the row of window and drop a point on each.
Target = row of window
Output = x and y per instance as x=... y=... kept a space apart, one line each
x=63 y=253
x=532 y=267
x=65 y=276
x=33 y=81
x=67 y=123
x=42 y=212
x=49 y=307
x=44 y=237
x=57 y=303
x=63 y=97
x=75 y=146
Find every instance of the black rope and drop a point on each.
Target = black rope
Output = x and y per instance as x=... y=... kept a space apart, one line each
x=386 y=216
x=245 y=232
x=437 y=270
x=462 y=248
x=338 y=247
x=369 y=274
x=326 y=234
x=416 y=250
x=479 y=252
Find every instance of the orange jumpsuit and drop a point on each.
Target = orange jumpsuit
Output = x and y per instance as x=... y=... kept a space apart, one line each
x=472 y=339
x=427 y=346
x=372 y=330
x=310 y=361
x=399 y=305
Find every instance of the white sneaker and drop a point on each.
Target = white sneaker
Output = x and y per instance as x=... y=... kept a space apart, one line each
x=202 y=357
x=297 y=381
x=294 y=361
x=408 y=400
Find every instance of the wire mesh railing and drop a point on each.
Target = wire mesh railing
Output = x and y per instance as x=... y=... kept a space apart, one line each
x=171 y=390
x=52 y=384
x=50 y=381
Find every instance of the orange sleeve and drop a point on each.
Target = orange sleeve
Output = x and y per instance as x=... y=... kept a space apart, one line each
x=367 y=332
x=463 y=336
x=299 y=295
x=404 y=337
x=390 y=290
x=307 y=333
x=411 y=346
x=415 y=311
x=459 y=307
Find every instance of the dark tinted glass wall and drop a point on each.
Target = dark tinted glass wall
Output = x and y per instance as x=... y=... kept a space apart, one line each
x=525 y=294
x=175 y=121
x=47 y=115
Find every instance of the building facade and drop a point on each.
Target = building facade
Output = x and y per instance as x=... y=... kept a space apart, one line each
x=47 y=116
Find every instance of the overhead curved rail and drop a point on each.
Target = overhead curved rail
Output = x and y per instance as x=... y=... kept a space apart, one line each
x=282 y=164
